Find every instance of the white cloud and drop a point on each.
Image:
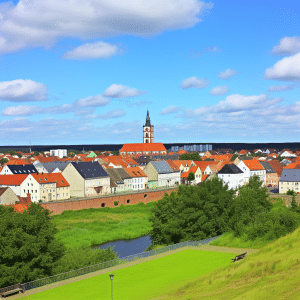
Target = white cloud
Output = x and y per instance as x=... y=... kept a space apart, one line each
x=219 y=90
x=170 y=110
x=21 y=90
x=92 y=51
x=194 y=82
x=280 y=88
x=227 y=73
x=117 y=113
x=233 y=103
x=93 y=101
x=80 y=107
x=122 y=91
x=286 y=69
x=39 y=23
x=287 y=46
x=21 y=110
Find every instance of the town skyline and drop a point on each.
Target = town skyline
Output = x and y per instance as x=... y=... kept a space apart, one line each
x=208 y=72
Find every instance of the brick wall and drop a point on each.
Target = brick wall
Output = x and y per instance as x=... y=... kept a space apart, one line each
x=59 y=207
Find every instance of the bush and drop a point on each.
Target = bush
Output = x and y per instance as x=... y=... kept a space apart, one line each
x=252 y=201
x=82 y=257
x=116 y=203
x=273 y=224
x=291 y=192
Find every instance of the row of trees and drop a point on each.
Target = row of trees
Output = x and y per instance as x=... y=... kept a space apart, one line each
x=199 y=212
x=29 y=249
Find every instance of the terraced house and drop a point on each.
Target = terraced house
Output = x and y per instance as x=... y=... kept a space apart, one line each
x=87 y=179
x=251 y=168
x=160 y=174
x=290 y=180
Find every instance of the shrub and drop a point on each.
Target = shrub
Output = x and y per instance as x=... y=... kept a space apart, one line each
x=291 y=192
x=116 y=203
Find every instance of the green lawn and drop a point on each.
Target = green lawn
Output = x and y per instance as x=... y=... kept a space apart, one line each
x=144 y=281
x=86 y=227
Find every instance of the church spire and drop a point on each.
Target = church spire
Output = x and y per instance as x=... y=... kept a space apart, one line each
x=148 y=123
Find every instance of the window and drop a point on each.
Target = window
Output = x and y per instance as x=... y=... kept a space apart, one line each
x=28 y=184
x=102 y=204
x=32 y=184
x=24 y=191
x=128 y=200
x=36 y=191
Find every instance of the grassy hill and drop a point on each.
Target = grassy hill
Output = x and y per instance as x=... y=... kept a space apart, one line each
x=271 y=273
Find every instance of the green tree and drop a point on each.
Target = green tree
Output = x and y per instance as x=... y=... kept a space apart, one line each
x=19 y=155
x=291 y=192
x=36 y=153
x=12 y=152
x=192 y=213
x=294 y=205
x=190 y=156
x=191 y=177
x=251 y=201
x=115 y=152
x=3 y=161
x=28 y=245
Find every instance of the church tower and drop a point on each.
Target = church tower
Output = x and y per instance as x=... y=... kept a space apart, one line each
x=148 y=130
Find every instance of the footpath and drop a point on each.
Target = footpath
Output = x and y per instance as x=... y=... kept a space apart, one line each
x=125 y=265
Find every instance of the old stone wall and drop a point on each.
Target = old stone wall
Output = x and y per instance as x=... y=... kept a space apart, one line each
x=59 y=207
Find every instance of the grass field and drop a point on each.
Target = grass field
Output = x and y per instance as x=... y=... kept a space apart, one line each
x=143 y=281
x=95 y=226
x=271 y=273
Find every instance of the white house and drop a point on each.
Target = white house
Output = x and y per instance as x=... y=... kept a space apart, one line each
x=59 y=152
x=232 y=175
x=251 y=168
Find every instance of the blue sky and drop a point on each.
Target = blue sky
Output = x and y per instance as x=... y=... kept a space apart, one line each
x=85 y=72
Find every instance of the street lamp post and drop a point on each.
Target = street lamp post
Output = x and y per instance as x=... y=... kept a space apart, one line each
x=111 y=278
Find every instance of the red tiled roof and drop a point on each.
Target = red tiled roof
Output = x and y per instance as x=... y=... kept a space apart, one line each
x=243 y=152
x=179 y=162
x=174 y=167
x=203 y=178
x=253 y=165
x=18 y=162
x=141 y=147
x=293 y=165
x=181 y=151
x=51 y=177
x=12 y=179
x=135 y=172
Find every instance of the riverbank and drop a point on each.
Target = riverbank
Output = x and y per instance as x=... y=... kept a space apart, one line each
x=96 y=226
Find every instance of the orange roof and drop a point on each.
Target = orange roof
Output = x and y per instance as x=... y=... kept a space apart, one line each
x=171 y=163
x=51 y=177
x=43 y=159
x=277 y=166
x=204 y=177
x=293 y=165
x=129 y=160
x=171 y=153
x=184 y=174
x=253 y=165
x=220 y=157
x=181 y=151
x=179 y=162
x=243 y=152
x=143 y=147
x=87 y=159
x=202 y=165
x=135 y=172
x=193 y=169
x=12 y=179
x=273 y=154
x=18 y=162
